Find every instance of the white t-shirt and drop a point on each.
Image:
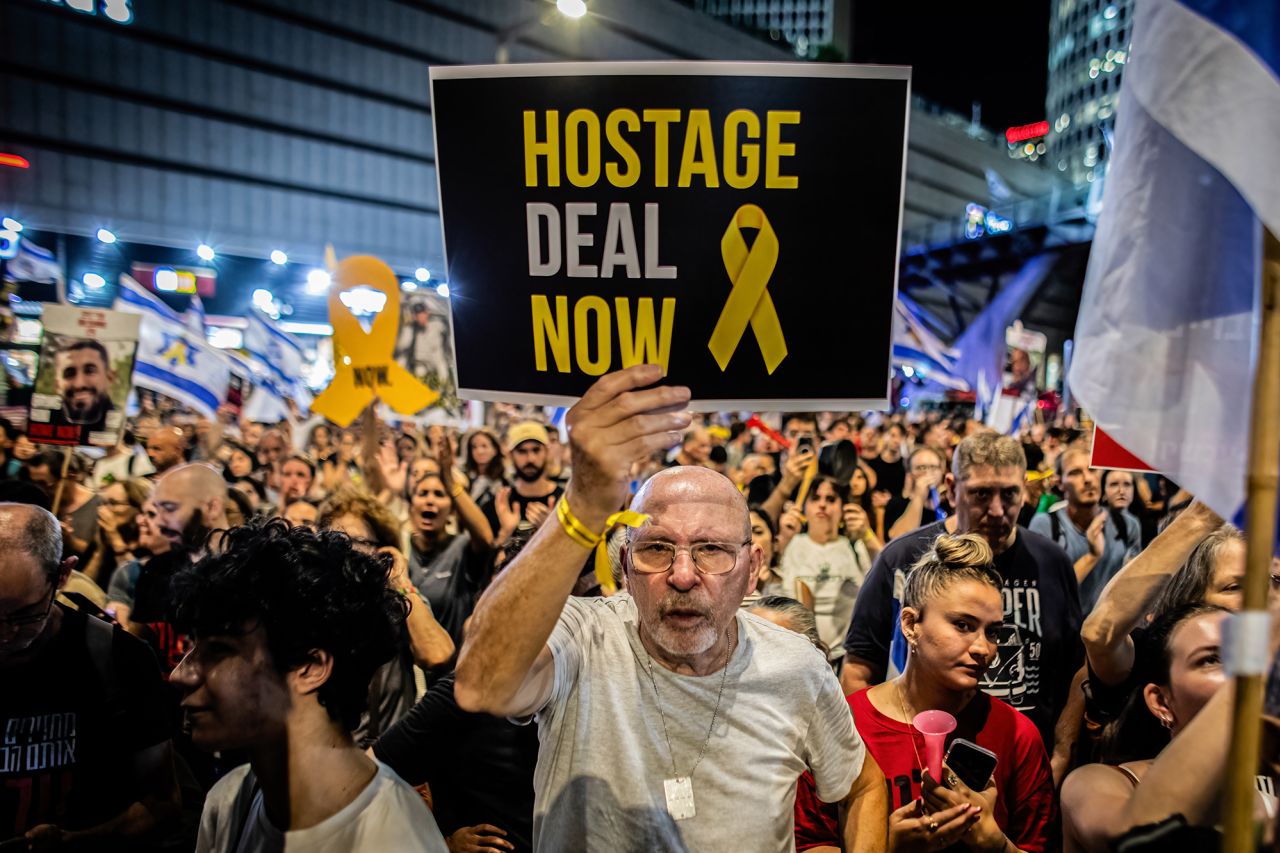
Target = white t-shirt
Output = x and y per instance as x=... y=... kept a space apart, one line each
x=834 y=572
x=387 y=815
x=122 y=466
x=603 y=757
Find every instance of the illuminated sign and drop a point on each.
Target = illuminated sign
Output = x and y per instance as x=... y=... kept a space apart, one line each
x=1023 y=132
x=174 y=281
x=120 y=11
x=167 y=279
x=15 y=161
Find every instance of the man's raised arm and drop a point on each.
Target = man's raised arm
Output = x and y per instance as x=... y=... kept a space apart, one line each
x=505 y=666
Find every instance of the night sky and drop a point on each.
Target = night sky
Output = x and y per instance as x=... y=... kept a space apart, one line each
x=995 y=53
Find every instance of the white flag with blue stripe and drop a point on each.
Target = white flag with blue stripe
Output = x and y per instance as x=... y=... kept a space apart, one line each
x=194 y=316
x=1167 y=335
x=172 y=360
x=924 y=352
x=280 y=353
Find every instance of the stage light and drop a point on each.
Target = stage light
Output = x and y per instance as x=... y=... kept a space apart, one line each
x=317 y=282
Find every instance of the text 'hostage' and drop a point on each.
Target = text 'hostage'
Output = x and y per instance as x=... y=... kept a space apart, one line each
x=562 y=240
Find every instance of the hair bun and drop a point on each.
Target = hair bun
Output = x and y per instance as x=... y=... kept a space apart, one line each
x=963 y=551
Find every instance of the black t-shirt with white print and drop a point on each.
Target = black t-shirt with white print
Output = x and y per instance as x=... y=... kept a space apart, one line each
x=1039 y=649
x=71 y=720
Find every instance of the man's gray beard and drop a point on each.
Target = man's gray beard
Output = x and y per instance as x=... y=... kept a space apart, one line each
x=681 y=644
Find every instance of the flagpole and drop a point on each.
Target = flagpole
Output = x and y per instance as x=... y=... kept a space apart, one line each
x=1260 y=529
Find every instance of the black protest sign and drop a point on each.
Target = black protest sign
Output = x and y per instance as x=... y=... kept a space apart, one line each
x=737 y=223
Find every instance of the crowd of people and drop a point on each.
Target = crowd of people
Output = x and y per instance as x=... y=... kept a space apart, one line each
x=640 y=629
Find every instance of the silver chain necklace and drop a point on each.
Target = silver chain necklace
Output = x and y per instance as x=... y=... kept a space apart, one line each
x=679 y=789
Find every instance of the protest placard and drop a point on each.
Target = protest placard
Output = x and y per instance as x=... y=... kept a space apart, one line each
x=86 y=360
x=736 y=223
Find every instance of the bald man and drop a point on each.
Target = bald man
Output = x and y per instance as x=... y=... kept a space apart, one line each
x=190 y=501
x=166 y=448
x=695 y=448
x=86 y=761
x=663 y=710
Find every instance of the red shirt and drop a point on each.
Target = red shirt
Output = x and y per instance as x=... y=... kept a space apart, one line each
x=1025 y=806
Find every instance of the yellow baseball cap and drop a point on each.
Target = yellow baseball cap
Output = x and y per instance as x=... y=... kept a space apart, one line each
x=526 y=431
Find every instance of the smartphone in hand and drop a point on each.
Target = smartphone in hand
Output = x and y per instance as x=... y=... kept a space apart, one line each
x=971 y=763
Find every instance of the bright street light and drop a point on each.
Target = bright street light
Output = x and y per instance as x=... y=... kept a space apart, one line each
x=279 y=258
x=443 y=289
x=205 y=252
x=93 y=281
x=572 y=8
x=422 y=274
x=11 y=224
x=106 y=236
x=317 y=282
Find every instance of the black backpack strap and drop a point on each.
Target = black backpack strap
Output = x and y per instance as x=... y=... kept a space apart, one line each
x=1055 y=524
x=99 y=638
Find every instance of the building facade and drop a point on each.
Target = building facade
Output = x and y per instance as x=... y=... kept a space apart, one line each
x=803 y=24
x=1088 y=49
x=257 y=126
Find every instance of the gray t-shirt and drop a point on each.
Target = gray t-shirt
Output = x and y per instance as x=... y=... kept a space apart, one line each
x=603 y=758
x=1115 y=553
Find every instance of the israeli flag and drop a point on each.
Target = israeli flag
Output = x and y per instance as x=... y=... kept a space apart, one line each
x=280 y=353
x=1167 y=336
x=34 y=263
x=194 y=316
x=916 y=347
x=265 y=403
x=172 y=360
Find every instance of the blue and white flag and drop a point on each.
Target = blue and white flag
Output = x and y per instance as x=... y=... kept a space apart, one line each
x=265 y=402
x=172 y=360
x=33 y=263
x=1167 y=336
x=916 y=347
x=282 y=355
x=194 y=316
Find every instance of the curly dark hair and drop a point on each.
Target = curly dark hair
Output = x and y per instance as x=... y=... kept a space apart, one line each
x=307 y=590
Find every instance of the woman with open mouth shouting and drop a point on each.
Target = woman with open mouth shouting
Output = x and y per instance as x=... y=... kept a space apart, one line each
x=447 y=568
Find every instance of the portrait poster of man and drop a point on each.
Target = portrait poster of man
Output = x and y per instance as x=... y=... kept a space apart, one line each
x=86 y=364
x=1024 y=356
x=424 y=347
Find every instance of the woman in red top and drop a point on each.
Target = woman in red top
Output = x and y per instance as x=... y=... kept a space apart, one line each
x=952 y=618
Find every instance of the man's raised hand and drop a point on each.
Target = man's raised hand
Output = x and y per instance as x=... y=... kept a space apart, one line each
x=617 y=422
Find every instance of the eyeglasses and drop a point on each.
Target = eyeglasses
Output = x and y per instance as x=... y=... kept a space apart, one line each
x=28 y=621
x=710 y=558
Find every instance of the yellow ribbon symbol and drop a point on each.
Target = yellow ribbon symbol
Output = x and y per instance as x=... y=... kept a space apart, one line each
x=363 y=369
x=749 y=300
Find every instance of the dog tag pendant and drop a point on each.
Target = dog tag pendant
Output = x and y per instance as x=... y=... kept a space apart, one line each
x=679 y=797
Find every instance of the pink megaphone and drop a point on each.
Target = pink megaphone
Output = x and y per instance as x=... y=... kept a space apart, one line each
x=935 y=726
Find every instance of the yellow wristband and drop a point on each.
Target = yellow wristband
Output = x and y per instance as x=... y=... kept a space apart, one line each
x=457 y=489
x=576 y=530
x=580 y=533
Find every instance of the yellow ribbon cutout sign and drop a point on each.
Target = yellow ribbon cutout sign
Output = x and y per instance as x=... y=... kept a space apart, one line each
x=749 y=301
x=362 y=361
